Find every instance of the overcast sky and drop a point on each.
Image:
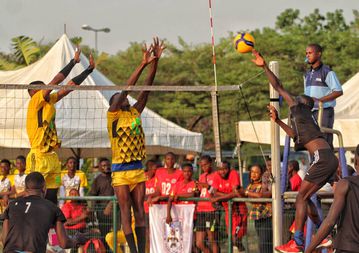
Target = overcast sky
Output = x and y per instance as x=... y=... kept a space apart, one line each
x=139 y=20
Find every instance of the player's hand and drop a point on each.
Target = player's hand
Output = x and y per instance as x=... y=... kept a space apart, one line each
x=273 y=113
x=77 y=54
x=147 y=56
x=169 y=220
x=259 y=60
x=92 y=64
x=158 y=47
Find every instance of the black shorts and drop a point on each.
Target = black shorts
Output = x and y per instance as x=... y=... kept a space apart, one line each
x=323 y=168
x=207 y=221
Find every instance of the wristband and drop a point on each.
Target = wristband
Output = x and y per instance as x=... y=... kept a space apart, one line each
x=80 y=78
x=67 y=69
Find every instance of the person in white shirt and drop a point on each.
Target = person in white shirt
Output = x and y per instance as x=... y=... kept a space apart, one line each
x=19 y=179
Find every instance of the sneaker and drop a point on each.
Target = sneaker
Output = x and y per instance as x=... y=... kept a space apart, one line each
x=327 y=242
x=290 y=247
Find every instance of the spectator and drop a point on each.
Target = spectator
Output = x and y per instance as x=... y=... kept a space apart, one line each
x=71 y=179
x=5 y=184
x=207 y=218
x=356 y=160
x=75 y=213
x=294 y=179
x=151 y=167
x=261 y=213
x=267 y=177
x=322 y=84
x=225 y=185
x=101 y=186
x=166 y=178
x=19 y=179
x=184 y=188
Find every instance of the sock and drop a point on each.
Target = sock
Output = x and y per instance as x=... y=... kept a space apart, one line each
x=131 y=243
x=141 y=239
x=299 y=238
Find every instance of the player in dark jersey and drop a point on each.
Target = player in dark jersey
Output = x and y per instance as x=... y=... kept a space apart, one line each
x=307 y=135
x=27 y=221
x=343 y=212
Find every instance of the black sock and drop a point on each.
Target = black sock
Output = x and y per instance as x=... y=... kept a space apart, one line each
x=141 y=239
x=131 y=243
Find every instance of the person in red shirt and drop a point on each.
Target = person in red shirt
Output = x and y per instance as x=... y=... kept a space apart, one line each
x=165 y=179
x=207 y=218
x=226 y=185
x=184 y=188
x=294 y=179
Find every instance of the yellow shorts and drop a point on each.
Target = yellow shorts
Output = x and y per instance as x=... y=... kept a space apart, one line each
x=128 y=177
x=47 y=164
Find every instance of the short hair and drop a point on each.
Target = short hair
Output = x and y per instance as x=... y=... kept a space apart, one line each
x=71 y=158
x=294 y=164
x=36 y=82
x=171 y=154
x=227 y=163
x=208 y=158
x=34 y=181
x=112 y=98
x=187 y=165
x=317 y=47
x=306 y=100
x=103 y=159
x=21 y=158
x=6 y=161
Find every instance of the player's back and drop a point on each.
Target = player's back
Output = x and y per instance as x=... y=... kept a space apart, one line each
x=29 y=221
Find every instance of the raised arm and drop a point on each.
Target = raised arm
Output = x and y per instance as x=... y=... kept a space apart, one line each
x=63 y=73
x=158 y=48
x=273 y=114
x=77 y=80
x=274 y=81
x=333 y=215
x=147 y=58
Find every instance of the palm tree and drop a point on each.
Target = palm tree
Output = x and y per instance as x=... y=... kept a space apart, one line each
x=25 y=49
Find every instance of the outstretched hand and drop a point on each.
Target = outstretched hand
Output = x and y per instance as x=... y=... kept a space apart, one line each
x=147 y=56
x=259 y=60
x=273 y=113
x=92 y=64
x=77 y=54
x=158 y=47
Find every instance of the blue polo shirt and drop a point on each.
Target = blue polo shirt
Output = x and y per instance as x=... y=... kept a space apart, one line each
x=321 y=81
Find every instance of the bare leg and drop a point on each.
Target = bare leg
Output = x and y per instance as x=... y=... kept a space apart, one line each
x=212 y=241
x=138 y=197
x=200 y=241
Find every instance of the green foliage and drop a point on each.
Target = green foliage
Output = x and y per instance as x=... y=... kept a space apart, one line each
x=76 y=40
x=25 y=49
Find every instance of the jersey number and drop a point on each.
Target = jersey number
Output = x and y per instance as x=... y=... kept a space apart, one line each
x=28 y=204
x=166 y=187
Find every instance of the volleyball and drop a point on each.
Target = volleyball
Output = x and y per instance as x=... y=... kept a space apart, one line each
x=243 y=43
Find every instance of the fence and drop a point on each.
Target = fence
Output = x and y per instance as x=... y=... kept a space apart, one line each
x=223 y=236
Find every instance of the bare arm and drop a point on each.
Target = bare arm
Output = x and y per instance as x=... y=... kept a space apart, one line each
x=63 y=73
x=334 y=212
x=274 y=81
x=5 y=231
x=273 y=114
x=169 y=206
x=146 y=59
x=330 y=97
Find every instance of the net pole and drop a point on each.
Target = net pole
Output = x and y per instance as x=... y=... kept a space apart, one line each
x=214 y=94
x=275 y=158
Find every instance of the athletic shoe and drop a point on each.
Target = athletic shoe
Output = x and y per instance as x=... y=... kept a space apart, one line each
x=290 y=247
x=327 y=242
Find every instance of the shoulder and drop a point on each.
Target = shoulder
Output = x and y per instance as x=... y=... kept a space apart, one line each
x=134 y=111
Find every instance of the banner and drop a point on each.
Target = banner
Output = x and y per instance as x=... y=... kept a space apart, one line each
x=173 y=238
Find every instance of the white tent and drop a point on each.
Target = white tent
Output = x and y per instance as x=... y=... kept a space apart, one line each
x=81 y=116
x=346 y=120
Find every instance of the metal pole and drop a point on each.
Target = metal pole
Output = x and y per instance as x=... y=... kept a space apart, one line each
x=240 y=168
x=114 y=218
x=216 y=130
x=275 y=157
x=95 y=40
x=230 y=248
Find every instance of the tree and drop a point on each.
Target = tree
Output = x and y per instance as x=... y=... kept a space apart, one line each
x=25 y=49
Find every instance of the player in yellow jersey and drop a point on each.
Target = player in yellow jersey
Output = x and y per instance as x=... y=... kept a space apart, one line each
x=41 y=129
x=128 y=149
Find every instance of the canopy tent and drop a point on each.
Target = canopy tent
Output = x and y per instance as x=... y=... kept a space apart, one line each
x=81 y=116
x=346 y=120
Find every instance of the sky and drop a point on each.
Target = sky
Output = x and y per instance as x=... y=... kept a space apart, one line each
x=140 y=20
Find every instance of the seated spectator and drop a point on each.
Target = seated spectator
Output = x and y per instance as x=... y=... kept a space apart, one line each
x=75 y=213
x=19 y=178
x=72 y=179
x=184 y=188
x=207 y=219
x=261 y=213
x=165 y=179
x=225 y=185
x=294 y=179
x=5 y=184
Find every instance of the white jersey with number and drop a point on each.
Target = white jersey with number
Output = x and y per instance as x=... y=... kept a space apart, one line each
x=5 y=185
x=71 y=183
x=19 y=183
